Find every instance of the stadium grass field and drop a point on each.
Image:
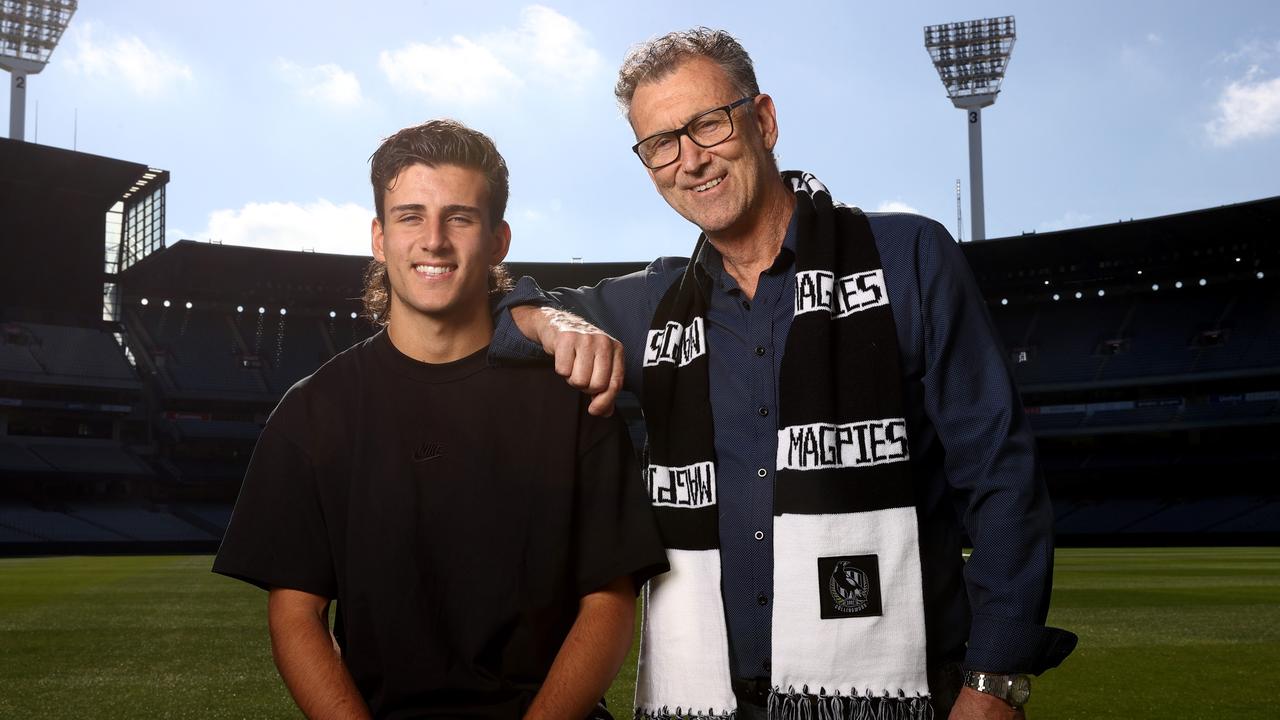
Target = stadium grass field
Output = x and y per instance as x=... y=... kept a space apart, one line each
x=1165 y=633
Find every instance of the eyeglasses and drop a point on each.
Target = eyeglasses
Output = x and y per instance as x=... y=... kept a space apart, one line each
x=706 y=130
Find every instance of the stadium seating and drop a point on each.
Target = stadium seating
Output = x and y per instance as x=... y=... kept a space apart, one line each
x=137 y=523
x=218 y=352
x=88 y=457
x=213 y=517
x=17 y=458
x=54 y=526
x=1197 y=515
x=35 y=352
x=1264 y=518
x=1113 y=515
x=1160 y=335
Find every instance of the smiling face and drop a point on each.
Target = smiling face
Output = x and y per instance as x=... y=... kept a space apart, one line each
x=720 y=189
x=438 y=243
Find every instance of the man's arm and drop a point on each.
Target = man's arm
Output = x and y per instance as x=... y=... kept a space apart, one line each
x=582 y=328
x=591 y=654
x=990 y=457
x=973 y=705
x=307 y=657
x=588 y=358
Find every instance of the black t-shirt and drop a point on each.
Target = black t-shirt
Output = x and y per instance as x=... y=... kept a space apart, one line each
x=457 y=512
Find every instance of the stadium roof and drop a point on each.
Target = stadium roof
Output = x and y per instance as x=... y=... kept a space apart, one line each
x=228 y=273
x=1203 y=241
x=40 y=170
x=53 y=205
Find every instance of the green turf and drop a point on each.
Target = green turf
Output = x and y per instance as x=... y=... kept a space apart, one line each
x=1166 y=633
x=1171 y=633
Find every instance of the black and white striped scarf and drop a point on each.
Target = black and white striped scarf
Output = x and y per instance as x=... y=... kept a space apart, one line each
x=848 y=616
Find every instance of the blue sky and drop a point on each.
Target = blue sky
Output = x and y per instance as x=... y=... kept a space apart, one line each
x=266 y=113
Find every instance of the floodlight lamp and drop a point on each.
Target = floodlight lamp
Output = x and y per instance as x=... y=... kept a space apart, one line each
x=30 y=30
x=262 y=310
x=1178 y=285
x=971 y=57
x=1203 y=282
x=1079 y=295
x=1056 y=297
x=166 y=303
x=188 y=304
x=283 y=311
x=1260 y=275
x=145 y=302
x=1155 y=287
x=332 y=314
x=239 y=308
x=353 y=315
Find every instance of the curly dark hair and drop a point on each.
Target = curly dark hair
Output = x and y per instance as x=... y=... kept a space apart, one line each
x=433 y=143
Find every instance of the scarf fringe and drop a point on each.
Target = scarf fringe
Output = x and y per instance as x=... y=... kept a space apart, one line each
x=664 y=713
x=803 y=705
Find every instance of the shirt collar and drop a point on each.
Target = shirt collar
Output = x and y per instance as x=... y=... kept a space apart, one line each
x=712 y=262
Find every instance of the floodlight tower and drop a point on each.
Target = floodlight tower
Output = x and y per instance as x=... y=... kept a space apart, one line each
x=971 y=58
x=29 y=30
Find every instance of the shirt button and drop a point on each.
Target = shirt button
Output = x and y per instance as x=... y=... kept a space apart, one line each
x=760 y=351
x=746 y=305
x=764 y=411
x=762 y=472
x=762 y=599
x=759 y=535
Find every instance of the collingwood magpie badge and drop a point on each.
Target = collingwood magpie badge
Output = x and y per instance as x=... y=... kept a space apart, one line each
x=849 y=586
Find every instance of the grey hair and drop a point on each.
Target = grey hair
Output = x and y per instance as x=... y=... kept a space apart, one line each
x=658 y=57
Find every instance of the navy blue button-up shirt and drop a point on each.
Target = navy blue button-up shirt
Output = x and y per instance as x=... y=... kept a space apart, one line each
x=972 y=452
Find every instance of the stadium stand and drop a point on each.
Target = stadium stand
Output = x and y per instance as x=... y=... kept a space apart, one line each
x=1147 y=353
x=39 y=353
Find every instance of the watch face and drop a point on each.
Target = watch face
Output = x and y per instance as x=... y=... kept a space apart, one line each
x=1019 y=689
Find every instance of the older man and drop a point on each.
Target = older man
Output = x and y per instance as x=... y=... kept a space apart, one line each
x=822 y=390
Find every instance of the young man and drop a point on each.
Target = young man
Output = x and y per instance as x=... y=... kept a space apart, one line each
x=831 y=384
x=482 y=533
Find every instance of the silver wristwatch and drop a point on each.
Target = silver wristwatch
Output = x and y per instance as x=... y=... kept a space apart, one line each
x=1013 y=689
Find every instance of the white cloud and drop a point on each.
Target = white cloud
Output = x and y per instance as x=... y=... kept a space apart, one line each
x=1071 y=219
x=1249 y=108
x=458 y=71
x=546 y=49
x=1155 y=39
x=556 y=47
x=327 y=83
x=1254 y=52
x=321 y=226
x=106 y=56
x=896 y=206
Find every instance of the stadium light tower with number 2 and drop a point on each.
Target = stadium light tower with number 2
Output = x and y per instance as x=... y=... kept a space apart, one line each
x=971 y=58
x=29 y=31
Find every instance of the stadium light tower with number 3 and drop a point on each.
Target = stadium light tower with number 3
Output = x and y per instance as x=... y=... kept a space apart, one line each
x=971 y=58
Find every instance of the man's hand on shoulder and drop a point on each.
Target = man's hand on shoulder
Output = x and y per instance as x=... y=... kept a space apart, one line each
x=586 y=356
x=973 y=705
